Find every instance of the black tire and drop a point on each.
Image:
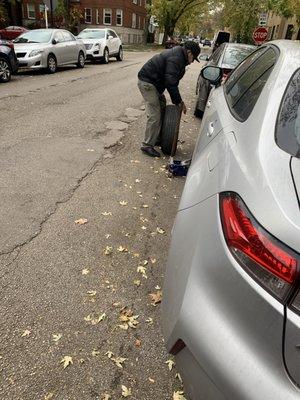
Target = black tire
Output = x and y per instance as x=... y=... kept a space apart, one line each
x=170 y=130
x=81 y=60
x=105 y=58
x=51 y=64
x=5 y=70
x=119 y=57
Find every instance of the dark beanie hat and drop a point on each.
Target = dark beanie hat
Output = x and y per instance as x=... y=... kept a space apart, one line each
x=194 y=48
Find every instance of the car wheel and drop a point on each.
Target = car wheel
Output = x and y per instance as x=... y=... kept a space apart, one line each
x=5 y=71
x=170 y=129
x=106 y=56
x=81 y=60
x=51 y=64
x=119 y=57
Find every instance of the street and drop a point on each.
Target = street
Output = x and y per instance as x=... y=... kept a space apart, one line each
x=86 y=220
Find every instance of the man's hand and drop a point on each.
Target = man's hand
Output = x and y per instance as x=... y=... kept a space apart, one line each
x=183 y=107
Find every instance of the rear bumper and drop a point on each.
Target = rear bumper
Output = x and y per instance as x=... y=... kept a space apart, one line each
x=231 y=327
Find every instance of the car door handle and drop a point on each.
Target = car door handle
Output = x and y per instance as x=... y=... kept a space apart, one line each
x=208 y=104
x=210 y=129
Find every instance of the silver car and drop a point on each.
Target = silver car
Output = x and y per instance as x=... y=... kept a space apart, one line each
x=49 y=48
x=231 y=308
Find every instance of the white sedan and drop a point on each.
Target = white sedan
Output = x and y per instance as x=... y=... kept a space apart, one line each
x=101 y=44
x=49 y=48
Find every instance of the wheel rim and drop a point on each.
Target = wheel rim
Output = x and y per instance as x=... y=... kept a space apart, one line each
x=52 y=64
x=4 y=70
x=81 y=60
x=106 y=56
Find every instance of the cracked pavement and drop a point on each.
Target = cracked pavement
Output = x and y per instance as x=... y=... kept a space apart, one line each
x=62 y=159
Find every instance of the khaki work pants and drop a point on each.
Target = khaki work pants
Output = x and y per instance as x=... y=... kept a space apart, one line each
x=155 y=107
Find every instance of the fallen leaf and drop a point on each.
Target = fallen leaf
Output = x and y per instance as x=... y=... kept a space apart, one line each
x=123 y=203
x=95 y=353
x=137 y=181
x=94 y=320
x=145 y=262
x=142 y=270
x=119 y=361
x=108 y=250
x=137 y=282
x=128 y=319
x=149 y=321
x=139 y=192
x=135 y=161
x=145 y=206
x=160 y=230
x=107 y=235
x=179 y=395
x=151 y=380
x=106 y=397
x=144 y=228
x=153 y=260
x=136 y=255
x=126 y=391
x=91 y=292
x=26 y=333
x=170 y=364
x=57 y=337
x=156 y=297
x=157 y=287
x=81 y=221
x=85 y=271
x=109 y=354
x=178 y=376
x=144 y=219
x=138 y=343
x=49 y=396
x=106 y=213
x=122 y=249
x=66 y=361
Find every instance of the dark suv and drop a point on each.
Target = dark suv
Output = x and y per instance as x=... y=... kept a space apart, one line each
x=8 y=61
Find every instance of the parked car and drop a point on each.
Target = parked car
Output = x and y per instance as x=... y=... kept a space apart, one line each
x=227 y=57
x=12 y=32
x=49 y=48
x=101 y=44
x=231 y=297
x=8 y=61
x=206 y=42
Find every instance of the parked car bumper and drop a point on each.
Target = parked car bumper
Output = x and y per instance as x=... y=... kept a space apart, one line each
x=93 y=54
x=224 y=356
x=37 y=62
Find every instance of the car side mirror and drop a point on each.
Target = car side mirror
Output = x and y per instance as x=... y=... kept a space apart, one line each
x=54 y=41
x=203 y=57
x=212 y=74
x=110 y=37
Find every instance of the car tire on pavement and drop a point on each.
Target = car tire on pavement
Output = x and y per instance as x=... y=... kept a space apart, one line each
x=170 y=129
x=81 y=60
x=105 y=58
x=119 y=56
x=5 y=70
x=51 y=64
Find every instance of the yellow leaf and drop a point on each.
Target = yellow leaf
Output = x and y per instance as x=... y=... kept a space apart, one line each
x=57 y=337
x=151 y=380
x=95 y=353
x=66 y=361
x=81 y=221
x=108 y=250
x=137 y=282
x=156 y=297
x=170 y=364
x=178 y=376
x=85 y=271
x=145 y=206
x=179 y=395
x=145 y=262
x=119 y=361
x=126 y=391
x=91 y=292
x=109 y=354
x=106 y=397
x=106 y=213
x=149 y=321
x=135 y=255
x=49 y=396
x=26 y=333
x=122 y=249
x=123 y=203
x=160 y=230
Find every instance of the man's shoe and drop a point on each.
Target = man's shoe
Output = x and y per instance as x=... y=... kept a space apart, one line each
x=150 y=151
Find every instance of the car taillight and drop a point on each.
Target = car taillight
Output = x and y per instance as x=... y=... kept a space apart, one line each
x=264 y=257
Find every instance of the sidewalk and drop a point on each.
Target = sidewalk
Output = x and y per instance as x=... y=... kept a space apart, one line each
x=100 y=273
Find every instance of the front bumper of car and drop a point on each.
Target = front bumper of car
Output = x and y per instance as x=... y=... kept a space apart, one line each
x=35 y=62
x=231 y=328
x=94 y=52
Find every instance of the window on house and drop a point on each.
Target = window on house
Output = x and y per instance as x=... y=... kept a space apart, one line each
x=97 y=17
x=88 y=15
x=289 y=31
x=133 y=24
x=31 y=11
x=119 y=17
x=139 y=24
x=107 y=16
x=135 y=1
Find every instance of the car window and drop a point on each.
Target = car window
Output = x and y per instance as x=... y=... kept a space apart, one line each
x=214 y=58
x=92 y=34
x=243 y=89
x=68 y=37
x=35 y=36
x=233 y=56
x=287 y=133
x=59 y=37
x=112 y=33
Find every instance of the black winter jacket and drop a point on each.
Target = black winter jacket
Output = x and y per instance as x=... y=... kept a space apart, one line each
x=165 y=70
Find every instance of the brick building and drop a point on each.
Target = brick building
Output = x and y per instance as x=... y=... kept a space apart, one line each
x=126 y=17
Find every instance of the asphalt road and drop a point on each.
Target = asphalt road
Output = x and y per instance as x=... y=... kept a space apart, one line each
x=60 y=163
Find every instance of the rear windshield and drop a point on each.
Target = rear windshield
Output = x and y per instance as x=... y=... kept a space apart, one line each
x=38 y=36
x=235 y=55
x=96 y=34
x=287 y=134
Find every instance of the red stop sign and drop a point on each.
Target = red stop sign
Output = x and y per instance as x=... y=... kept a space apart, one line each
x=260 y=35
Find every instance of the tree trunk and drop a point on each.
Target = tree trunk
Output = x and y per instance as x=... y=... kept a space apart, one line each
x=169 y=31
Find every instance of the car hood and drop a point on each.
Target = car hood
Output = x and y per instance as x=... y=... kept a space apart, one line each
x=91 y=41
x=25 y=47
